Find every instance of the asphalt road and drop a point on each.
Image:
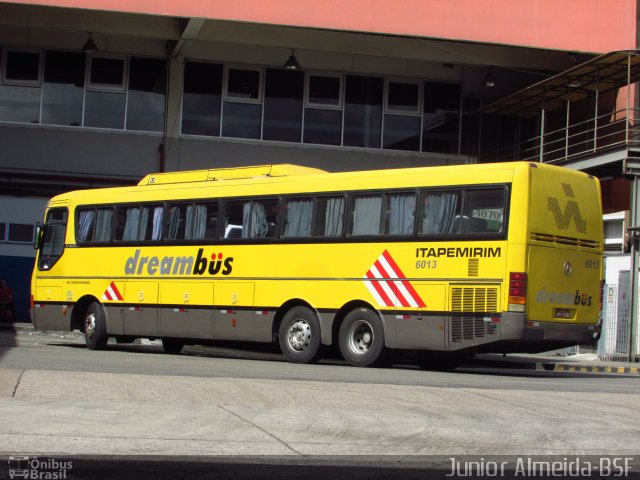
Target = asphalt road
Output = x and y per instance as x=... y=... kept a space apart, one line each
x=247 y=413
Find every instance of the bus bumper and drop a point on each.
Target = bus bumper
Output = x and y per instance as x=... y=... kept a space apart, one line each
x=542 y=336
x=51 y=317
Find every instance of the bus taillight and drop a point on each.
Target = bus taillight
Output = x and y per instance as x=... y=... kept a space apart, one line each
x=601 y=293
x=517 y=291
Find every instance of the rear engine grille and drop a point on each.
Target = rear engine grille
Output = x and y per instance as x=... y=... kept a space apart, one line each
x=471 y=328
x=474 y=299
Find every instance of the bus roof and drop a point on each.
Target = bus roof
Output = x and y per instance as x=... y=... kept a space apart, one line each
x=254 y=180
x=233 y=173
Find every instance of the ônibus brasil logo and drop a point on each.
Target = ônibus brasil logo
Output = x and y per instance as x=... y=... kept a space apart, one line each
x=201 y=264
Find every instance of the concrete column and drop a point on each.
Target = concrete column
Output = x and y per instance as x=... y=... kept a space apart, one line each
x=173 y=113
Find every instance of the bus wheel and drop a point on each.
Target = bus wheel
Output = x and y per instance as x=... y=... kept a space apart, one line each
x=95 y=327
x=172 y=346
x=299 y=335
x=361 y=338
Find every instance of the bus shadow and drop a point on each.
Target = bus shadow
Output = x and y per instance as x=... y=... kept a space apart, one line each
x=8 y=337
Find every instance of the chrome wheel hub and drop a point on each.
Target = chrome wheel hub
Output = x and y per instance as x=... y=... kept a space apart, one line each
x=299 y=335
x=360 y=337
x=90 y=325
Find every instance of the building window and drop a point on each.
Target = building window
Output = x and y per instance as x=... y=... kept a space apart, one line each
x=324 y=91
x=107 y=73
x=242 y=109
x=20 y=91
x=201 y=102
x=105 y=96
x=3 y=231
x=402 y=115
x=21 y=232
x=146 y=98
x=63 y=88
x=441 y=117
x=363 y=111
x=284 y=90
x=21 y=67
x=323 y=110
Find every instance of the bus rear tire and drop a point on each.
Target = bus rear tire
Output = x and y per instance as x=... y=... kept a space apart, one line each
x=299 y=335
x=361 y=338
x=172 y=346
x=95 y=327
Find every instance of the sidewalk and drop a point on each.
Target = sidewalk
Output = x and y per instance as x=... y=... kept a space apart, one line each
x=581 y=363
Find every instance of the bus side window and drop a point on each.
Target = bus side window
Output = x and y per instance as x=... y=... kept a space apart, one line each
x=251 y=218
x=211 y=227
x=176 y=221
x=298 y=217
x=400 y=212
x=484 y=209
x=94 y=225
x=440 y=212
x=366 y=215
x=139 y=223
x=264 y=218
x=233 y=218
x=201 y=221
x=329 y=217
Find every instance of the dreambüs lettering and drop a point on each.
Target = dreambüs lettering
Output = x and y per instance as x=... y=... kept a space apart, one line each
x=458 y=252
x=564 y=298
x=178 y=265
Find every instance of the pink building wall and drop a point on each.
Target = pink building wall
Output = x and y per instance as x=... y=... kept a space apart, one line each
x=580 y=25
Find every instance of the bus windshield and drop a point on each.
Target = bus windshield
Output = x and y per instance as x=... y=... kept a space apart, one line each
x=53 y=239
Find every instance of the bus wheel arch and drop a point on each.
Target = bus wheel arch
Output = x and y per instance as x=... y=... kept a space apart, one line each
x=79 y=311
x=297 y=327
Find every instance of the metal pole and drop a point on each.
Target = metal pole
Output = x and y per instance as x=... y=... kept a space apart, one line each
x=566 y=134
x=627 y=119
x=633 y=280
x=542 y=133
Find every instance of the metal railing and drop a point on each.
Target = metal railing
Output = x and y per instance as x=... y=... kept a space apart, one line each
x=587 y=137
x=614 y=339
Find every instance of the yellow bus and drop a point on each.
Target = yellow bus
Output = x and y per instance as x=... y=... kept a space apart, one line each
x=439 y=262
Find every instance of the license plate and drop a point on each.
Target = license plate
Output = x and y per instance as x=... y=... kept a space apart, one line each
x=563 y=313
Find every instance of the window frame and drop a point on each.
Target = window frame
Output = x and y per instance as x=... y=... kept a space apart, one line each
x=24 y=83
x=463 y=189
x=394 y=111
x=95 y=207
x=104 y=87
x=384 y=213
x=225 y=85
x=307 y=82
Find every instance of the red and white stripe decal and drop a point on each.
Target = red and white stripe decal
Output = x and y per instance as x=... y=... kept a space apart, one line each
x=112 y=293
x=389 y=286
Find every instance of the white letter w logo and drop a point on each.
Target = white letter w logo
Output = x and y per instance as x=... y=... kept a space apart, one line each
x=572 y=211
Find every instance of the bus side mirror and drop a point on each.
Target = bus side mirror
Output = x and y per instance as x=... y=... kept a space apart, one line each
x=37 y=240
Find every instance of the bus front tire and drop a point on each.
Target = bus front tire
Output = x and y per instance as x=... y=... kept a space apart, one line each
x=172 y=346
x=299 y=335
x=361 y=338
x=95 y=327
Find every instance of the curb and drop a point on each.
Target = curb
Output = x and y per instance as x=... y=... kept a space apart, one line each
x=563 y=367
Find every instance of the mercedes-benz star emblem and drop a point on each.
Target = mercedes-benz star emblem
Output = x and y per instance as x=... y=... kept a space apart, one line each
x=568 y=269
